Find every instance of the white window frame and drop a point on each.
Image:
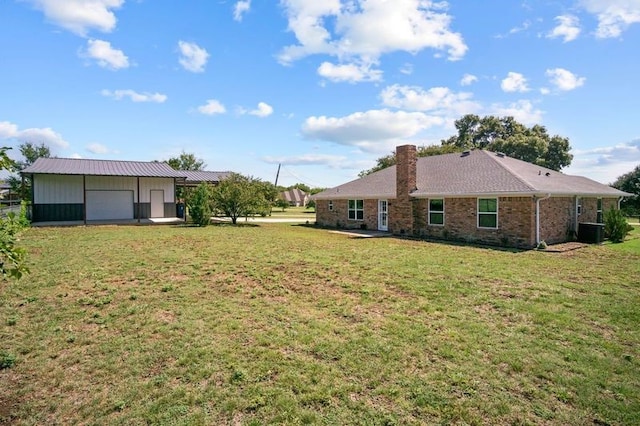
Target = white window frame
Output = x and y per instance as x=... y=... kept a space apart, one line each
x=429 y=211
x=330 y=205
x=355 y=210
x=599 y=212
x=479 y=213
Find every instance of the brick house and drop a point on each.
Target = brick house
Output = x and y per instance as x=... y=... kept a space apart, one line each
x=475 y=196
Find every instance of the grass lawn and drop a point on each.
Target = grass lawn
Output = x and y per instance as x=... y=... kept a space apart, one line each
x=281 y=324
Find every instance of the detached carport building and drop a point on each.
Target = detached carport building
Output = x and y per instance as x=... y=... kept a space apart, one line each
x=66 y=189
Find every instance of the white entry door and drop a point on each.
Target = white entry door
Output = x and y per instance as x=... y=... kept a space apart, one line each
x=157 y=203
x=383 y=215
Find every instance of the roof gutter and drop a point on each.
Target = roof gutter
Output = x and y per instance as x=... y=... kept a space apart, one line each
x=538 y=216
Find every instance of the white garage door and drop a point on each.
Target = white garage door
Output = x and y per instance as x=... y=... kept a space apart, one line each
x=108 y=205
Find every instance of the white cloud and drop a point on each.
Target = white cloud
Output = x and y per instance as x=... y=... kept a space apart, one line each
x=8 y=130
x=372 y=131
x=522 y=110
x=306 y=160
x=614 y=16
x=35 y=136
x=263 y=110
x=105 y=55
x=605 y=164
x=350 y=73
x=365 y=30
x=514 y=82
x=437 y=100
x=564 y=80
x=194 y=58
x=241 y=7
x=212 y=107
x=407 y=69
x=135 y=96
x=97 y=148
x=468 y=79
x=568 y=28
x=525 y=26
x=79 y=16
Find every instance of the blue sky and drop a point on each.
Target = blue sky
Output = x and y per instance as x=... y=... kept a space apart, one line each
x=322 y=87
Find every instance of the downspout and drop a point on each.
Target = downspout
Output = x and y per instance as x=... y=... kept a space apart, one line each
x=84 y=199
x=138 y=191
x=619 y=201
x=538 y=216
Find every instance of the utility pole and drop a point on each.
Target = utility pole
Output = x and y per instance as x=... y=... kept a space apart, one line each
x=278 y=174
x=276 y=185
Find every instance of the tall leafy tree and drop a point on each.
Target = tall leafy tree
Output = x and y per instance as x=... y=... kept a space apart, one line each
x=186 y=161
x=499 y=134
x=30 y=153
x=505 y=134
x=630 y=182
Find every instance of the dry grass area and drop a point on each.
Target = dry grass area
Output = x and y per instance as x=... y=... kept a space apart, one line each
x=281 y=324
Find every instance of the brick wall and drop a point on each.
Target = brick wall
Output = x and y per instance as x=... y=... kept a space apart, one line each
x=557 y=219
x=339 y=216
x=516 y=219
x=516 y=222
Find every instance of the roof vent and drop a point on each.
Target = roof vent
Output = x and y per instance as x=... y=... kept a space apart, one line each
x=500 y=154
x=465 y=153
x=547 y=174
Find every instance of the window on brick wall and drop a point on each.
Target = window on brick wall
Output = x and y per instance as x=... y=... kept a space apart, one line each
x=356 y=209
x=330 y=205
x=436 y=211
x=599 y=211
x=487 y=212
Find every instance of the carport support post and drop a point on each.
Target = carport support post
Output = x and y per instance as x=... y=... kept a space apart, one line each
x=84 y=198
x=138 y=208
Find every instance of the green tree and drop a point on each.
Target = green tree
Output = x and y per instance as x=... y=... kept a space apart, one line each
x=281 y=203
x=12 y=258
x=630 y=182
x=242 y=196
x=186 y=161
x=512 y=138
x=301 y=186
x=30 y=153
x=200 y=204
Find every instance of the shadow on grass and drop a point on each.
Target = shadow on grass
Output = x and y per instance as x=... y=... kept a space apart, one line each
x=220 y=225
x=363 y=234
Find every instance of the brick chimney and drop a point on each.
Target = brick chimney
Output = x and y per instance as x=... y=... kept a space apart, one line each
x=401 y=219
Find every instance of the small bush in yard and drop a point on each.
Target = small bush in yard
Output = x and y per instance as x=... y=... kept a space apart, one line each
x=200 y=205
x=616 y=227
x=7 y=360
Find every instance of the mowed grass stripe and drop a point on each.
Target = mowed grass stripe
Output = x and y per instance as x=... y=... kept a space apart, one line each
x=282 y=324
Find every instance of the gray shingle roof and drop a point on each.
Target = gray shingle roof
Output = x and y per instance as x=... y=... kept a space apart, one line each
x=204 y=176
x=73 y=166
x=476 y=173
